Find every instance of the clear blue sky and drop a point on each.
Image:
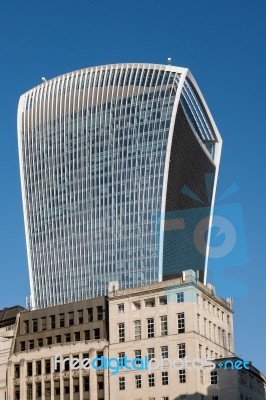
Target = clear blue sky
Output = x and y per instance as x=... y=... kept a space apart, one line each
x=222 y=42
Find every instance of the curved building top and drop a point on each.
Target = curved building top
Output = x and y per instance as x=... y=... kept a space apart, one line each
x=112 y=158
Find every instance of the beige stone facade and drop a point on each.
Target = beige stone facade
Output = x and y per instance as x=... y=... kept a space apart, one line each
x=180 y=323
x=173 y=319
x=72 y=331
x=7 y=325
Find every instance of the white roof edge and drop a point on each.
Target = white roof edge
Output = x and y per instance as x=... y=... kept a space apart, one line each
x=166 y=67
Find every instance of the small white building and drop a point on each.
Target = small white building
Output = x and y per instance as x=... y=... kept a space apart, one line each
x=176 y=319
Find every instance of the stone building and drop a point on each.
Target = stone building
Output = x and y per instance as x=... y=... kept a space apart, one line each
x=63 y=333
x=176 y=319
x=7 y=324
x=232 y=381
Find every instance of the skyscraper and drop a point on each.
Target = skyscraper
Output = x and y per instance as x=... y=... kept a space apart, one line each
x=118 y=167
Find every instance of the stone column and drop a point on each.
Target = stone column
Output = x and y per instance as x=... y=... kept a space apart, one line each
x=33 y=379
x=80 y=377
x=106 y=374
x=93 y=377
x=42 y=379
x=23 y=392
x=70 y=378
x=52 y=377
x=10 y=380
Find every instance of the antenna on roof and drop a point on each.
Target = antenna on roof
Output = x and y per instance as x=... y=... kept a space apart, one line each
x=169 y=59
x=43 y=79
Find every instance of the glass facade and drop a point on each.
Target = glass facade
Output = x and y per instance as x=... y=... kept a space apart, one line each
x=94 y=151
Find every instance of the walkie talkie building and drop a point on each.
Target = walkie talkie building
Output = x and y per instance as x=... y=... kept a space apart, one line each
x=118 y=166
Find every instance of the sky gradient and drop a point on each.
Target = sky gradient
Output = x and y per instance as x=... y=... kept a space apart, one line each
x=222 y=43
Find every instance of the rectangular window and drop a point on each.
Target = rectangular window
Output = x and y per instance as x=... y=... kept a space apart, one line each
x=164 y=330
x=150 y=327
x=40 y=342
x=164 y=378
x=137 y=328
x=26 y=327
x=149 y=303
x=52 y=321
x=200 y=351
x=90 y=314
x=205 y=327
x=162 y=300
x=121 y=358
x=180 y=297
x=43 y=323
x=97 y=333
x=65 y=366
x=214 y=377
x=151 y=380
x=70 y=318
x=49 y=340
x=86 y=383
x=17 y=393
x=151 y=353
x=137 y=354
x=39 y=389
x=198 y=323
x=29 y=391
x=136 y=305
x=164 y=351
x=47 y=366
x=181 y=323
x=76 y=385
x=77 y=336
x=100 y=313
x=17 y=370
x=223 y=337
x=121 y=308
x=68 y=337
x=181 y=350
x=29 y=368
x=31 y=344
x=35 y=325
x=182 y=376
x=38 y=367
x=121 y=332
x=201 y=377
x=210 y=330
x=61 y=320
x=122 y=383
x=87 y=335
x=80 y=316
x=58 y=338
x=229 y=341
x=138 y=381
